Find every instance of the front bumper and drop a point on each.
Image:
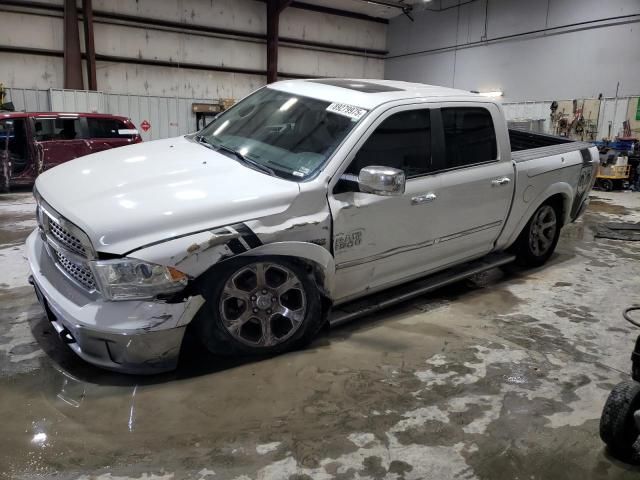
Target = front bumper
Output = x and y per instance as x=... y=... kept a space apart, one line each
x=140 y=337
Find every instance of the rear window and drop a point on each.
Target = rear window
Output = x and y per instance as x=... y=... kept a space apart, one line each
x=469 y=136
x=57 y=129
x=109 y=128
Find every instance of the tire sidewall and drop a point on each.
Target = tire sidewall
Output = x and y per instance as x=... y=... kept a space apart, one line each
x=219 y=340
x=617 y=424
x=523 y=250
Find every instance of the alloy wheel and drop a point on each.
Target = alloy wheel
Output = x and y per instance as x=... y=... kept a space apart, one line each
x=263 y=304
x=543 y=230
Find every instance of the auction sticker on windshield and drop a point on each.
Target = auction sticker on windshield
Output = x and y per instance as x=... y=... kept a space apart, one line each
x=347 y=110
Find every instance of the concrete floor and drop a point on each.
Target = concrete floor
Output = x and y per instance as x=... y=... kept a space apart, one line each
x=504 y=379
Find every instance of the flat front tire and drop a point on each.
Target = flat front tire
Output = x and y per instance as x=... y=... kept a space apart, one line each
x=259 y=306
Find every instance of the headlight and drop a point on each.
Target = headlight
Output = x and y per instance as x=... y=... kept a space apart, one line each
x=129 y=278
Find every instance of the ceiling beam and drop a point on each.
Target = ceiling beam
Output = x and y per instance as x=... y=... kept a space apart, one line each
x=391 y=3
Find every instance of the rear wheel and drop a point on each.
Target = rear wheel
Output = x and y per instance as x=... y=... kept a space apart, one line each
x=618 y=428
x=259 y=307
x=539 y=238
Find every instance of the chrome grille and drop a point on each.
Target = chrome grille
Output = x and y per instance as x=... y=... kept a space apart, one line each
x=66 y=239
x=81 y=273
x=68 y=246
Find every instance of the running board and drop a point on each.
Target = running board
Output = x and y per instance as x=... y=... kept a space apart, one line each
x=357 y=308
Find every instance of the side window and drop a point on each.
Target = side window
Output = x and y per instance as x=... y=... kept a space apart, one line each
x=108 y=128
x=469 y=136
x=401 y=141
x=56 y=129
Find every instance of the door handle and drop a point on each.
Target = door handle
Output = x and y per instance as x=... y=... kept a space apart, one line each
x=426 y=198
x=499 y=182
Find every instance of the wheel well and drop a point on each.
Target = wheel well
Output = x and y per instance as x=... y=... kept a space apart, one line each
x=558 y=201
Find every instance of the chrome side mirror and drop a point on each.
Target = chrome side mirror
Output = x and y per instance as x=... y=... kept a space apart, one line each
x=384 y=181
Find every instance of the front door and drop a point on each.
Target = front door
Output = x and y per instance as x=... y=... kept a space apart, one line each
x=15 y=155
x=378 y=239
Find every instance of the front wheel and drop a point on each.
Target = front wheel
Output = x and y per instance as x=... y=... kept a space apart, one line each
x=259 y=306
x=539 y=238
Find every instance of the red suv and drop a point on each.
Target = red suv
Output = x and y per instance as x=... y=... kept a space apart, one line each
x=33 y=142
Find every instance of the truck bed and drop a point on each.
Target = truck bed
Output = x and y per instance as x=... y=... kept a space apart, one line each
x=528 y=145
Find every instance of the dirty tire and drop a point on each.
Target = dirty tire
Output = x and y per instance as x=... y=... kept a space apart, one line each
x=607 y=185
x=234 y=296
x=527 y=254
x=617 y=425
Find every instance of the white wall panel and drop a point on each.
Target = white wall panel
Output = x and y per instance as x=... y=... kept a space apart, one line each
x=180 y=82
x=243 y=15
x=293 y=60
x=32 y=31
x=580 y=62
x=133 y=42
x=325 y=28
x=30 y=71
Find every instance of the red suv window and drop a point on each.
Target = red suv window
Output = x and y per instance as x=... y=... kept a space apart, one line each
x=109 y=128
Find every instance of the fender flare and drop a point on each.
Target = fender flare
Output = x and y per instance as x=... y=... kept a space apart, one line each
x=559 y=188
x=320 y=257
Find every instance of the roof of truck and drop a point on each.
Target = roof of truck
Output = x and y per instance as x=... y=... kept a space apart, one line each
x=7 y=114
x=368 y=93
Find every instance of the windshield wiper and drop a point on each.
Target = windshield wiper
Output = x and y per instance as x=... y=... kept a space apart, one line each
x=246 y=160
x=203 y=141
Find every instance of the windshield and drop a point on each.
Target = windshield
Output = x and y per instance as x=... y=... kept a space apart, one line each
x=292 y=136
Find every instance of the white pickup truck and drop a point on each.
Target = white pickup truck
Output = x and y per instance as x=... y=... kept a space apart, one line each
x=308 y=201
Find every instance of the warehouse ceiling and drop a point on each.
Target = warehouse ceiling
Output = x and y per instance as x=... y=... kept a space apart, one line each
x=383 y=8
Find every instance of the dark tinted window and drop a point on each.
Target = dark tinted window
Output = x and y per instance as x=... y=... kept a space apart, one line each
x=401 y=141
x=57 y=129
x=469 y=136
x=108 y=128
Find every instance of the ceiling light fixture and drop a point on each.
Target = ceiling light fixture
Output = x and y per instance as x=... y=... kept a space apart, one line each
x=494 y=94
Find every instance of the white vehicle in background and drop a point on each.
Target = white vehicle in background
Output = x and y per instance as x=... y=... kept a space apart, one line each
x=306 y=202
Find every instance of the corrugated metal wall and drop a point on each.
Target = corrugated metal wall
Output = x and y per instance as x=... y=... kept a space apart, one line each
x=28 y=99
x=167 y=116
x=172 y=116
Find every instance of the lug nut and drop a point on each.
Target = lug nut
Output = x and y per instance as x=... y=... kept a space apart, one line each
x=273 y=299
x=269 y=311
x=255 y=310
x=264 y=291
x=253 y=297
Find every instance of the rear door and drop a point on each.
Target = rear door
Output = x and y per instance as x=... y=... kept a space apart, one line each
x=59 y=138
x=104 y=133
x=476 y=183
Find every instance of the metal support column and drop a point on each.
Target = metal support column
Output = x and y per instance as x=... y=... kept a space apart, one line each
x=89 y=47
x=274 y=7
x=72 y=55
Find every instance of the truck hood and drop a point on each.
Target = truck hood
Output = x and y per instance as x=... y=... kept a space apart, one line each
x=129 y=197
